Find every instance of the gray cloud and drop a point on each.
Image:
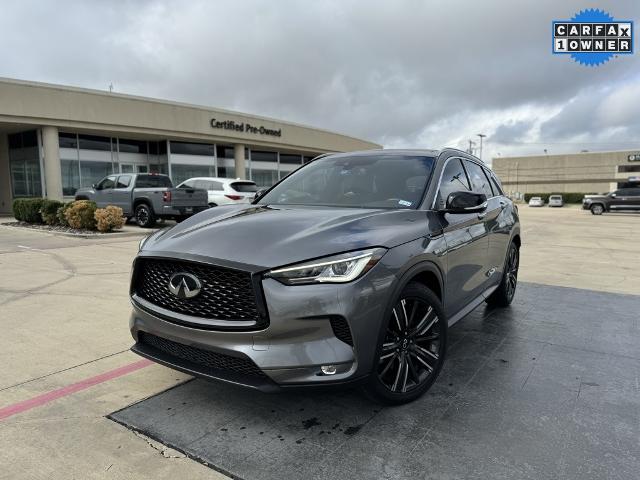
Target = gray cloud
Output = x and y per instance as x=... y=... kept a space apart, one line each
x=401 y=73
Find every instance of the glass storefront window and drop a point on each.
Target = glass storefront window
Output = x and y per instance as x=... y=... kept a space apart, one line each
x=70 y=176
x=264 y=178
x=132 y=146
x=25 y=164
x=288 y=158
x=92 y=172
x=186 y=148
x=258 y=156
x=68 y=140
x=94 y=142
x=181 y=172
x=227 y=172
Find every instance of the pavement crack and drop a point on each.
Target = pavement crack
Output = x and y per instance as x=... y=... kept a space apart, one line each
x=162 y=449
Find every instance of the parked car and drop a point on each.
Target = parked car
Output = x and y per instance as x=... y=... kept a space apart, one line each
x=349 y=270
x=556 y=201
x=624 y=199
x=223 y=191
x=536 y=202
x=146 y=197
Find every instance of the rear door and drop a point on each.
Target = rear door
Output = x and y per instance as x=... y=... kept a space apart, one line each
x=466 y=239
x=627 y=199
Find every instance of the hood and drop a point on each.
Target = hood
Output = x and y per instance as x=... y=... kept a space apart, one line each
x=258 y=237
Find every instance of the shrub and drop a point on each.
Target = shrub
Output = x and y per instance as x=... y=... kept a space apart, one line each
x=49 y=211
x=81 y=214
x=28 y=209
x=109 y=218
x=61 y=214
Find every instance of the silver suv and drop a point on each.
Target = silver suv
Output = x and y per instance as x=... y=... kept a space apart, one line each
x=351 y=269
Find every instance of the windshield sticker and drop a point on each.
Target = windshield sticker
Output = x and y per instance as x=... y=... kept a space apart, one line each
x=404 y=203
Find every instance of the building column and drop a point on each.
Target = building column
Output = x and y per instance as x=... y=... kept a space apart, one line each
x=238 y=156
x=5 y=175
x=52 y=168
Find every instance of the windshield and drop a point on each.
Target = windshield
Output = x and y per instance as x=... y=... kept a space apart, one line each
x=372 y=181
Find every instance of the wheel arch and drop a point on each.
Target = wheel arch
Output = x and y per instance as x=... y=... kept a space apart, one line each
x=139 y=201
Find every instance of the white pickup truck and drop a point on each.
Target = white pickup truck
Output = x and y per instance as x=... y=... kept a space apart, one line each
x=146 y=197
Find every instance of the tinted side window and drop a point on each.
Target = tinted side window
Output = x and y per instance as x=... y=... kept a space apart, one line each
x=495 y=183
x=123 y=181
x=108 y=182
x=244 y=187
x=634 y=192
x=153 y=181
x=454 y=179
x=479 y=181
x=208 y=185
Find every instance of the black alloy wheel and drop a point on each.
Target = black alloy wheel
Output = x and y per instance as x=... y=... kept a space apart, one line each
x=503 y=295
x=413 y=347
x=144 y=216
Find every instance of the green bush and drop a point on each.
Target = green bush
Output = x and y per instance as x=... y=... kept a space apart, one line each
x=49 y=211
x=570 y=197
x=61 y=214
x=28 y=209
x=81 y=214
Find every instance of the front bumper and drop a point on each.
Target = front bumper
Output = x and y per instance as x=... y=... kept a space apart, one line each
x=291 y=349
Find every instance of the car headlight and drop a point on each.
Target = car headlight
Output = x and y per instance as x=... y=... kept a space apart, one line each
x=335 y=269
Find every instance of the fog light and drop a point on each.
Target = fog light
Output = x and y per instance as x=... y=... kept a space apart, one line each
x=328 y=369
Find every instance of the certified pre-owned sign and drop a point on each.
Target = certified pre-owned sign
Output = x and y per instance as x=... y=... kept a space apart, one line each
x=245 y=127
x=592 y=37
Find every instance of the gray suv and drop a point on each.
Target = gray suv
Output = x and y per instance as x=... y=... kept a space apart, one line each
x=349 y=270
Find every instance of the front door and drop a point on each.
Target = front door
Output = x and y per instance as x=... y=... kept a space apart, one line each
x=104 y=191
x=467 y=242
x=122 y=194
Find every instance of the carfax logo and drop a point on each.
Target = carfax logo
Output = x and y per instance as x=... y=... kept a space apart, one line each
x=592 y=37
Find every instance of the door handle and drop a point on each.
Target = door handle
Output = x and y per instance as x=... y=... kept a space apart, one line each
x=503 y=204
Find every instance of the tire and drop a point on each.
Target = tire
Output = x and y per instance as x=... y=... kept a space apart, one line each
x=503 y=295
x=597 y=209
x=145 y=217
x=409 y=361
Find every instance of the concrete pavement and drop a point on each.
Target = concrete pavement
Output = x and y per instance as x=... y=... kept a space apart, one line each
x=64 y=312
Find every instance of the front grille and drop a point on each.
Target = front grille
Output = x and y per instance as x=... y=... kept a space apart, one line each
x=205 y=358
x=341 y=330
x=226 y=294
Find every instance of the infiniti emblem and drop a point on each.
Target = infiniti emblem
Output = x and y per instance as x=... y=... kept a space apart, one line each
x=184 y=285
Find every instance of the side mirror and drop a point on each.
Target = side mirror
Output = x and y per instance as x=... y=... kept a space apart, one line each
x=613 y=195
x=95 y=186
x=465 y=202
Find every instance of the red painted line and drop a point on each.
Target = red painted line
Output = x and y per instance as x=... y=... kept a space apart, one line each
x=69 y=389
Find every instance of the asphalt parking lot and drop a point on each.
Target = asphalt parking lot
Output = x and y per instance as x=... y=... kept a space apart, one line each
x=547 y=388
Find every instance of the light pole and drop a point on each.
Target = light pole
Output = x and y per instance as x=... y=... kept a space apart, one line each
x=481 y=135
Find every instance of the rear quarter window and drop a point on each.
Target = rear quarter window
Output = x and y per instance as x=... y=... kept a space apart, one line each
x=153 y=181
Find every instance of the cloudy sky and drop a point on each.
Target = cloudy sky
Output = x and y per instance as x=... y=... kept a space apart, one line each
x=412 y=73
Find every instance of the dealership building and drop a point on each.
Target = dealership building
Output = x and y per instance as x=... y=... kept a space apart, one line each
x=55 y=139
x=585 y=172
